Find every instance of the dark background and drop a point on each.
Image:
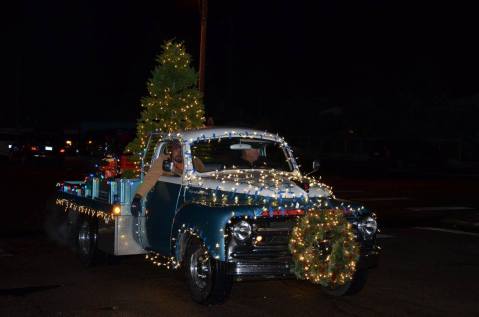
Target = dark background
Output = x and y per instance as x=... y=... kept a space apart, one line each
x=384 y=93
x=362 y=69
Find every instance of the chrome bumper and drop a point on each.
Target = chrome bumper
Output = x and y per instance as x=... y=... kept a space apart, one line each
x=271 y=258
x=263 y=270
x=246 y=270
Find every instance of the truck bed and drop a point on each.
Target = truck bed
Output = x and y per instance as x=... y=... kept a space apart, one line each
x=96 y=198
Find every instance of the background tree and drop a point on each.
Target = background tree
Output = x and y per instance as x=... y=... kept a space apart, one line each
x=173 y=102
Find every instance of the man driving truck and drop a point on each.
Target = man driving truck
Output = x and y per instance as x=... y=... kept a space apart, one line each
x=250 y=158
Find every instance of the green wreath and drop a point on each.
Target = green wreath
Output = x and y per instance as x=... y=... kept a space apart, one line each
x=324 y=248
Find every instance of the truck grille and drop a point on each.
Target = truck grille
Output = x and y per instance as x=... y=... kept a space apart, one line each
x=268 y=257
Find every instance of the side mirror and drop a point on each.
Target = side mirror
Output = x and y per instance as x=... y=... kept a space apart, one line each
x=167 y=166
x=316 y=165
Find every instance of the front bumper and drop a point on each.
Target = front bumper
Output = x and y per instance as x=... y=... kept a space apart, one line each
x=270 y=268
x=271 y=259
x=259 y=270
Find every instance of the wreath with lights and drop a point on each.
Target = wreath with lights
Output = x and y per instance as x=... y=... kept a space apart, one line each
x=324 y=248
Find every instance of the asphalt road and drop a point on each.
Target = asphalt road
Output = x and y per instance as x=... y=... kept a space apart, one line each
x=429 y=264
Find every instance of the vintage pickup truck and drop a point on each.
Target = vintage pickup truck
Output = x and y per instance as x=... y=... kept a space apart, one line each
x=227 y=216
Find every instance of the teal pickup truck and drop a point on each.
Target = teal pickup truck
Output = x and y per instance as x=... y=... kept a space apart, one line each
x=227 y=216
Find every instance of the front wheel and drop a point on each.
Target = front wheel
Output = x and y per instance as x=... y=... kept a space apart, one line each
x=352 y=287
x=207 y=278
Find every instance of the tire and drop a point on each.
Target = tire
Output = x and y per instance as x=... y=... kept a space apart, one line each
x=207 y=278
x=350 y=288
x=86 y=241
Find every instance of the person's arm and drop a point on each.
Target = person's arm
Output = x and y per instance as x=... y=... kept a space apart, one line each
x=152 y=176
x=198 y=165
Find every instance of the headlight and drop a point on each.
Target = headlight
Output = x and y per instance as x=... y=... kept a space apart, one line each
x=368 y=227
x=242 y=230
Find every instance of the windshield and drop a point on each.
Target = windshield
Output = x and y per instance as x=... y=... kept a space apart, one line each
x=233 y=153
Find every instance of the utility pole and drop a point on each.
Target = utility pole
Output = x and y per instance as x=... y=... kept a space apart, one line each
x=203 y=16
x=18 y=90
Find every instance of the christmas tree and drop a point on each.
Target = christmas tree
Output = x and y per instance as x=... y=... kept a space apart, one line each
x=173 y=102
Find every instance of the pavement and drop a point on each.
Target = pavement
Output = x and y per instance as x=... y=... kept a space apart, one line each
x=429 y=264
x=422 y=272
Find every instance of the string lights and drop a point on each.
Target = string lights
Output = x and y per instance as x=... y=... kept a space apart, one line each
x=171 y=262
x=323 y=243
x=70 y=205
x=173 y=102
x=324 y=248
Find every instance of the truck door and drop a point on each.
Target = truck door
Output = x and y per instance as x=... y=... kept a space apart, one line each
x=161 y=202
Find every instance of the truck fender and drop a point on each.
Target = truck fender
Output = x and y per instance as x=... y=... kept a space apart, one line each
x=207 y=223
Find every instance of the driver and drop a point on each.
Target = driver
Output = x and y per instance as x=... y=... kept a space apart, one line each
x=250 y=158
x=250 y=155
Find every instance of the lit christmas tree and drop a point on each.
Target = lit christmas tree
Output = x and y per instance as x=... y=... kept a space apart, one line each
x=173 y=102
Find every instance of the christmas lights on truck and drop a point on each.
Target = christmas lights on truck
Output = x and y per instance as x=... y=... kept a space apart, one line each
x=223 y=205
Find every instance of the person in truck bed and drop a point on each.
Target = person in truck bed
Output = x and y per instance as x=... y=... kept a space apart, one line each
x=156 y=170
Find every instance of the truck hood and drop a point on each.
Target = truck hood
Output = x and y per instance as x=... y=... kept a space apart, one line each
x=257 y=184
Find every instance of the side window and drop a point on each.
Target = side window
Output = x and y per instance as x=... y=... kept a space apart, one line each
x=174 y=152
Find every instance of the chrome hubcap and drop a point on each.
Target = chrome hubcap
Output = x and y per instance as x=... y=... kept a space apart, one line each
x=85 y=238
x=200 y=267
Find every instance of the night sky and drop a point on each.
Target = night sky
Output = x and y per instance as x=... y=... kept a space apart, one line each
x=372 y=66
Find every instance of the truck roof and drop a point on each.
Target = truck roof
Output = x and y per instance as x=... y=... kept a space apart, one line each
x=217 y=132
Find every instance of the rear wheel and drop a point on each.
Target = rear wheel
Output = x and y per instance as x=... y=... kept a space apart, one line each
x=207 y=278
x=352 y=287
x=86 y=241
